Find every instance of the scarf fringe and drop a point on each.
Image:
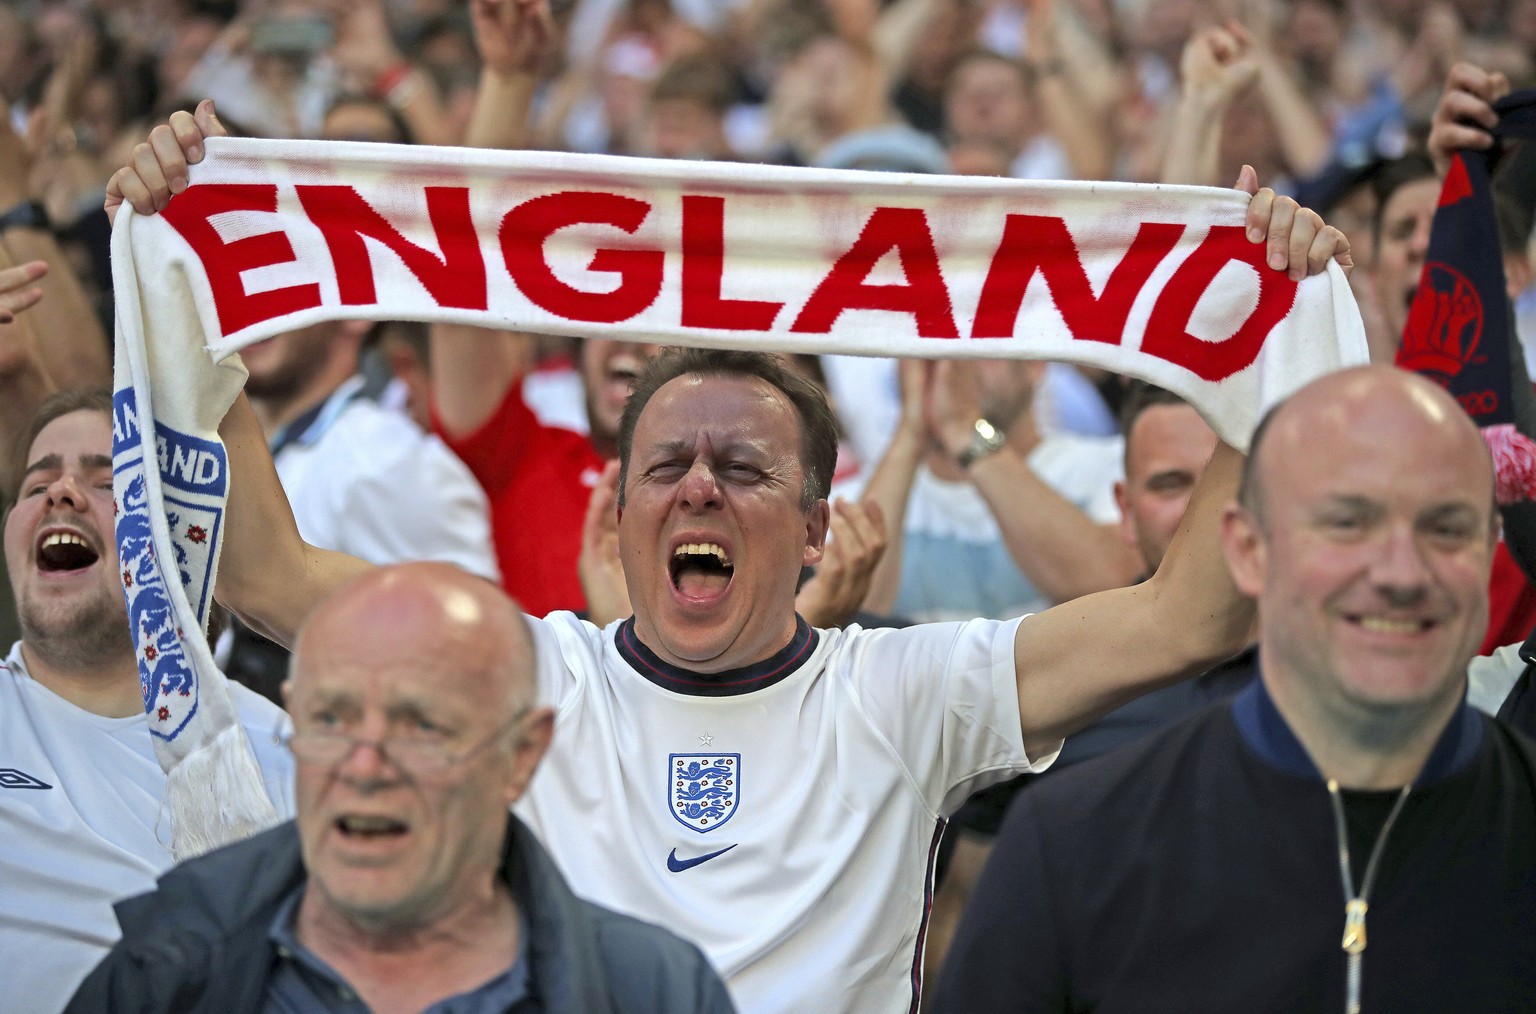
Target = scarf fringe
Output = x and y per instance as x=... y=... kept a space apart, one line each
x=215 y=795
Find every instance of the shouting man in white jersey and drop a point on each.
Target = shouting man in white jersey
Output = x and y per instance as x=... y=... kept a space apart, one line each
x=772 y=791
x=80 y=789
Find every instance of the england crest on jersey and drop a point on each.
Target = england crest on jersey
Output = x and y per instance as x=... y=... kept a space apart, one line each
x=703 y=788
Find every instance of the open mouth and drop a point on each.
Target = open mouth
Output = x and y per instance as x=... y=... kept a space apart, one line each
x=62 y=552
x=370 y=828
x=700 y=569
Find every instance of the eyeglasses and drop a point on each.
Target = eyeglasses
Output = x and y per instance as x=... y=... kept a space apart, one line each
x=415 y=757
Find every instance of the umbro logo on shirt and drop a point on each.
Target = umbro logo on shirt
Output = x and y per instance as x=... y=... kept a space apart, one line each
x=677 y=865
x=10 y=778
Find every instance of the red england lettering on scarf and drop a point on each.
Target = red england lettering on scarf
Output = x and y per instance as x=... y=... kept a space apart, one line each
x=1038 y=243
x=455 y=276
x=924 y=295
x=1168 y=334
x=527 y=227
x=190 y=213
x=704 y=272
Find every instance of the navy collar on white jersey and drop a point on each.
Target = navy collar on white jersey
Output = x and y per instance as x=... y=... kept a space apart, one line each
x=1265 y=731
x=757 y=676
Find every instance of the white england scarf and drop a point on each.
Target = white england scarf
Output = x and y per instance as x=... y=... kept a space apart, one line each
x=1152 y=281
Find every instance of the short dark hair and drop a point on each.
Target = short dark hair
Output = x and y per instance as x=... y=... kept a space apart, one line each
x=1511 y=215
x=1140 y=396
x=55 y=406
x=818 y=427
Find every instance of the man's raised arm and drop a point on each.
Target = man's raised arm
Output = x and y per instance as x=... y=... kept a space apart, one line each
x=24 y=380
x=473 y=368
x=268 y=575
x=1083 y=658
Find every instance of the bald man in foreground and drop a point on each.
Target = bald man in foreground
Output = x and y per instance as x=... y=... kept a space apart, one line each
x=404 y=883
x=1346 y=834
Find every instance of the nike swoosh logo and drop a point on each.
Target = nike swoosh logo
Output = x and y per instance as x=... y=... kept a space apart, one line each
x=677 y=865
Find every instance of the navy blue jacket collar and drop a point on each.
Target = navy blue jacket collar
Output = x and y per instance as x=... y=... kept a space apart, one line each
x=1266 y=733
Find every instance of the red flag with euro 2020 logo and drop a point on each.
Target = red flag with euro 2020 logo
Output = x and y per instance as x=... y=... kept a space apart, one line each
x=1459 y=324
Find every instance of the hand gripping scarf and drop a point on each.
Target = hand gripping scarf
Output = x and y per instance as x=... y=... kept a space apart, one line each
x=1155 y=282
x=1460 y=323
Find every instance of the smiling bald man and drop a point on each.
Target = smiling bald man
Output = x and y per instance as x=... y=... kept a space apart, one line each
x=1325 y=840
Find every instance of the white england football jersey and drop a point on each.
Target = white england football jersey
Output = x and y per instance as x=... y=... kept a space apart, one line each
x=785 y=816
x=80 y=828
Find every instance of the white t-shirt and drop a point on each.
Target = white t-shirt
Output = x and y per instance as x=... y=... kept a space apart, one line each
x=1490 y=678
x=80 y=828
x=788 y=829
x=364 y=480
x=955 y=564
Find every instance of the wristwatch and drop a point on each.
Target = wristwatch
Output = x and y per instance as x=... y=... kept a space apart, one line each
x=26 y=215
x=985 y=439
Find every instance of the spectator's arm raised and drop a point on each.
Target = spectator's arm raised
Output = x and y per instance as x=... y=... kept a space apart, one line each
x=73 y=349
x=1063 y=552
x=1083 y=658
x=890 y=484
x=268 y=575
x=471 y=370
x=1464 y=115
x=24 y=380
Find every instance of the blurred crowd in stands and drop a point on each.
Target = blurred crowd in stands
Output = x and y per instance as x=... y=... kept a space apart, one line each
x=1313 y=93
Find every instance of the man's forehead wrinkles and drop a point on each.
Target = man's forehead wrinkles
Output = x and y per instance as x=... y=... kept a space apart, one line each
x=672 y=446
x=717 y=443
